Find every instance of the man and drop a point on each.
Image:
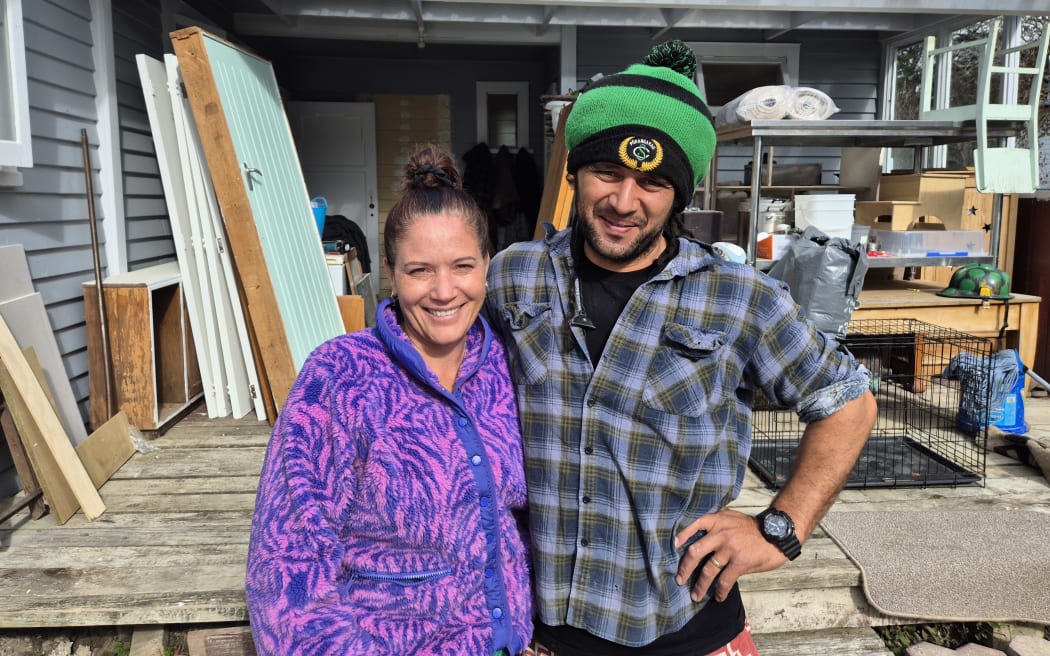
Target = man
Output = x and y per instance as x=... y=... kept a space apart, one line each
x=636 y=356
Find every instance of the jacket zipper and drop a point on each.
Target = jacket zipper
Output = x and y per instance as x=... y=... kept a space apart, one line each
x=414 y=578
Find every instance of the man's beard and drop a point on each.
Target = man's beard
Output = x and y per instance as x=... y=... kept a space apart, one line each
x=621 y=254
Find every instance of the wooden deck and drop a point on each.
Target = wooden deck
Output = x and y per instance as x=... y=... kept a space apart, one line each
x=170 y=548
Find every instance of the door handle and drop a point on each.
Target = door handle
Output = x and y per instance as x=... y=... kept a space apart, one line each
x=248 y=171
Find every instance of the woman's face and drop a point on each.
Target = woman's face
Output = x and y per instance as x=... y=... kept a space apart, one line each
x=439 y=280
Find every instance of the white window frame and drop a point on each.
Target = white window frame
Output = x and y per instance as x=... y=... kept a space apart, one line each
x=16 y=152
x=937 y=156
x=784 y=54
x=518 y=89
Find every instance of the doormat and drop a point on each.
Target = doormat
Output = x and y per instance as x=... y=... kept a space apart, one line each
x=886 y=461
x=950 y=565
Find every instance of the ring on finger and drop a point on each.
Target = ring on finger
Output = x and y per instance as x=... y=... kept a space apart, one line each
x=717 y=564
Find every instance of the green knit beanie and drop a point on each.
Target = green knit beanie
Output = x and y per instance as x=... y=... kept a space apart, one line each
x=650 y=118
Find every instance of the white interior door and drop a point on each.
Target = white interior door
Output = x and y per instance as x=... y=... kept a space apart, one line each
x=337 y=153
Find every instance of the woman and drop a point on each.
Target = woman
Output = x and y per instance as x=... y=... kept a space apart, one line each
x=385 y=517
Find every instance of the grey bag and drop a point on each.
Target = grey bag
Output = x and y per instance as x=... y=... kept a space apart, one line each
x=824 y=275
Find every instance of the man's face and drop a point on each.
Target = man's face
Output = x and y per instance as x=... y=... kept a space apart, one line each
x=622 y=213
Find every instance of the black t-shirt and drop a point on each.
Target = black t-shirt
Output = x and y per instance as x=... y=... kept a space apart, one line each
x=605 y=295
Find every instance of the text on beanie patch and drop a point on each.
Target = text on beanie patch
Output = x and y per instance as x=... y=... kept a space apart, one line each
x=641 y=154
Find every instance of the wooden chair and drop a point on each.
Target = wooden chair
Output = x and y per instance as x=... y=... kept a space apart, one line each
x=999 y=169
x=360 y=284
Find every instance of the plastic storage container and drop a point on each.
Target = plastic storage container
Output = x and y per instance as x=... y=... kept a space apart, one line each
x=930 y=243
x=844 y=202
x=320 y=207
x=832 y=214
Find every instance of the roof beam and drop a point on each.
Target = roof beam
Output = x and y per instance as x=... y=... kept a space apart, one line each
x=797 y=20
x=671 y=17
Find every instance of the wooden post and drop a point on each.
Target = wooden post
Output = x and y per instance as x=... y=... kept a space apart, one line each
x=556 y=204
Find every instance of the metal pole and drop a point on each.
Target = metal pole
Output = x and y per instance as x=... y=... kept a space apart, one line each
x=1042 y=383
x=101 y=299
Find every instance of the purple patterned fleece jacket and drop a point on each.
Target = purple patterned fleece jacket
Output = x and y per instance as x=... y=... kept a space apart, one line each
x=385 y=521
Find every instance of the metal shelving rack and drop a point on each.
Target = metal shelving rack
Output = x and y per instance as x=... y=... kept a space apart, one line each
x=763 y=135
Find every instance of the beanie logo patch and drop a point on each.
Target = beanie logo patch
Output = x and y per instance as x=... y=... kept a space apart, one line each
x=640 y=153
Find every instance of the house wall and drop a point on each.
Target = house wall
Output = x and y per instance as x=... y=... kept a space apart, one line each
x=48 y=213
x=137 y=29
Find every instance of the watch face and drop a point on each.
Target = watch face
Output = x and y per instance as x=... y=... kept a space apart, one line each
x=775 y=525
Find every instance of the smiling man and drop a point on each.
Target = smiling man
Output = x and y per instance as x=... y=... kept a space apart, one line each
x=636 y=354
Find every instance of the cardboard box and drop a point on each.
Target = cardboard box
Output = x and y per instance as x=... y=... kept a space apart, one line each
x=774 y=246
x=887 y=214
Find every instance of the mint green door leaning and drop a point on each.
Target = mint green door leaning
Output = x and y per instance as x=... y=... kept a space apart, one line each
x=277 y=193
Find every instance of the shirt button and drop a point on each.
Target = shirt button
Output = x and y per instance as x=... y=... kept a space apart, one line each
x=497 y=613
x=485 y=502
x=490 y=538
x=590 y=402
x=462 y=421
x=584 y=542
x=586 y=499
x=588 y=450
x=475 y=460
x=488 y=573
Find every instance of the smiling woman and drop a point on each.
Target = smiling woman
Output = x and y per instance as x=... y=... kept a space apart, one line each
x=386 y=517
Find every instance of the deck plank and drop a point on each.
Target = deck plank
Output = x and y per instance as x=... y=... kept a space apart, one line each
x=172 y=545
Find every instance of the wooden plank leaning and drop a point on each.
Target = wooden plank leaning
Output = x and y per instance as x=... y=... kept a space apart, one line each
x=20 y=387
x=34 y=494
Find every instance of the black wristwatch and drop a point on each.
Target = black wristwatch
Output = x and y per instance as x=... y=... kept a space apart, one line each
x=776 y=527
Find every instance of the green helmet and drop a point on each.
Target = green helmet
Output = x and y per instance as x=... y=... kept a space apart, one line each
x=982 y=281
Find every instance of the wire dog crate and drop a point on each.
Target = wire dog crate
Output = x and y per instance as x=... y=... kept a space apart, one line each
x=919 y=439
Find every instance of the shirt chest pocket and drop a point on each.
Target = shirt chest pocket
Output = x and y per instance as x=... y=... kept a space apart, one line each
x=533 y=334
x=687 y=375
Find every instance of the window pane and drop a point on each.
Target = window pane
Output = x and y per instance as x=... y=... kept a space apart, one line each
x=965 y=65
x=907 y=78
x=502 y=119
x=907 y=81
x=1031 y=29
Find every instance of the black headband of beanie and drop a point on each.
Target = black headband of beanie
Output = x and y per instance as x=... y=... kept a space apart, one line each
x=604 y=146
x=656 y=85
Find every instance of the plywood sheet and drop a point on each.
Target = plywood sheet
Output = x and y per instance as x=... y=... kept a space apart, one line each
x=107 y=449
x=352 y=308
x=27 y=319
x=62 y=476
x=14 y=272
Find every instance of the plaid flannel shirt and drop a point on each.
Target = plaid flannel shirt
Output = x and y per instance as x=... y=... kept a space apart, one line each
x=622 y=456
